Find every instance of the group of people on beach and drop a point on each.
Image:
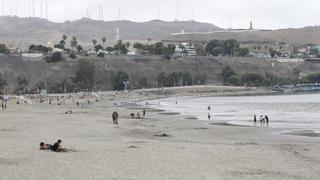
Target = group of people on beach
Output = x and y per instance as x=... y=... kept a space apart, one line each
x=138 y=116
x=263 y=119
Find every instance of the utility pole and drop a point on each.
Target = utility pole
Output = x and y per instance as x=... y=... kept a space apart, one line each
x=33 y=10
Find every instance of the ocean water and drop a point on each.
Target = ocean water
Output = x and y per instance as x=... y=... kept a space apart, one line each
x=284 y=111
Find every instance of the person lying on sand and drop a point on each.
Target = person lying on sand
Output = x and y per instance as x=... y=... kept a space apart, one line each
x=55 y=147
x=44 y=146
x=68 y=112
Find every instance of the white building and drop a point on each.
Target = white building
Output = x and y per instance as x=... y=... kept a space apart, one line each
x=185 y=49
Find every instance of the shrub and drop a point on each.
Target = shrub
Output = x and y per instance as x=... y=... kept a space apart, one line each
x=4 y=49
x=55 y=57
x=118 y=80
x=85 y=76
x=101 y=54
x=72 y=55
x=251 y=79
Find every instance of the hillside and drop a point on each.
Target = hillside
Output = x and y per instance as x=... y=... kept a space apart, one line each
x=298 y=36
x=36 y=70
x=22 y=32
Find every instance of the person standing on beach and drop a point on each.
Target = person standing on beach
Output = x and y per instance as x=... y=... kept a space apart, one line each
x=209 y=107
x=115 y=116
x=209 y=116
x=267 y=119
x=144 y=113
x=255 y=118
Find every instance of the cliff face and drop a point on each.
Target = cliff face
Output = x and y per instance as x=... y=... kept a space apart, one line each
x=36 y=69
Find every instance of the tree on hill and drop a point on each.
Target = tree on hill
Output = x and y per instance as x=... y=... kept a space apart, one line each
x=39 y=48
x=94 y=42
x=62 y=42
x=55 y=57
x=85 y=75
x=103 y=39
x=64 y=37
x=98 y=47
x=231 y=46
x=79 y=48
x=3 y=83
x=228 y=75
x=243 y=52
x=109 y=49
x=74 y=43
x=59 y=46
x=121 y=48
x=119 y=79
x=22 y=83
x=251 y=79
x=214 y=44
x=4 y=49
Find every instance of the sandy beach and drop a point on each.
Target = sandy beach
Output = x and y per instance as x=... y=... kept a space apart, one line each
x=160 y=146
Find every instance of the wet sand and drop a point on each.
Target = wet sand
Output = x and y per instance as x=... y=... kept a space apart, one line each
x=160 y=146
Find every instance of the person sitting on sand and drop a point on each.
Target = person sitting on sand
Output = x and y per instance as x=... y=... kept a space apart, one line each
x=138 y=116
x=132 y=115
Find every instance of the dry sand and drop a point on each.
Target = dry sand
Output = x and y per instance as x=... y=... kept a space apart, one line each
x=136 y=149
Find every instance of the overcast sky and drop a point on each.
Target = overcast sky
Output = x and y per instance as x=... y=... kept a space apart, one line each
x=266 y=14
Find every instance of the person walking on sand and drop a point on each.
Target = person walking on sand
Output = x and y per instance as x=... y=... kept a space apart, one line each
x=144 y=113
x=267 y=119
x=115 y=117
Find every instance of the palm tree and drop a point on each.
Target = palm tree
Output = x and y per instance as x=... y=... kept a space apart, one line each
x=74 y=42
x=94 y=42
x=64 y=37
x=104 y=39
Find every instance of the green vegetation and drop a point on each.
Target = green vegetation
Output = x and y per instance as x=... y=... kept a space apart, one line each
x=119 y=79
x=155 y=49
x=62 y=42
x=251 y=79
x=22 y=83
x=72 y=55
x=229 y=47
x=39 y=48
x=85 y=76
x=121 y=48
x=4 y=49
x=74 y=43
x=229 y=76
x=311 y=78
x=55 y=57
x=3 y=83
x=174 y=79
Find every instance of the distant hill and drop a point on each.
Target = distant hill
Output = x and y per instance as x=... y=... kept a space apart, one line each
x=297 y=36
x=22 y=32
